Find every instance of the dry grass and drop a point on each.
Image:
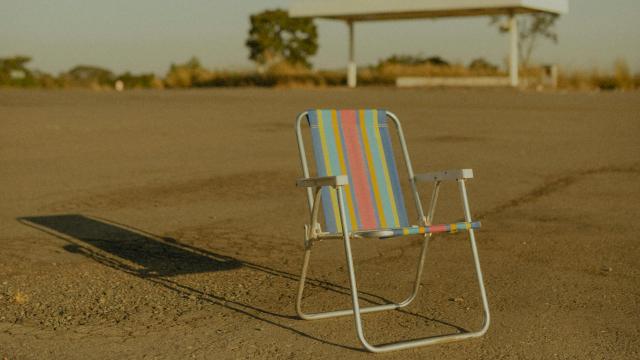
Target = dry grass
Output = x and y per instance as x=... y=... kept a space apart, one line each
x=284 y=68
x=596 y=79
x=20 y=298
x=622 y=74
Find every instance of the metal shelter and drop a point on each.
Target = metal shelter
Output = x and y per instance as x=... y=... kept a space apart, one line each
x=352 y=11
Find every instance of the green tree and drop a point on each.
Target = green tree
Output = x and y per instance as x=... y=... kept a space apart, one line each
x=482 y=65
x=87 y=76
x=14 y=72
x=274 y=37
x=91 y=75
x=185 y=75
x=531 y=29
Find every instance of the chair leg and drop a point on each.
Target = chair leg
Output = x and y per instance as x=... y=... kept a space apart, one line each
x=423 y=341
x=410 y=343
x=418 y=276
x=476 y=258
x=345 y=312
x=357 y=311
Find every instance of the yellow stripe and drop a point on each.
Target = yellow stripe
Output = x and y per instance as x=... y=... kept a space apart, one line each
x=385 y=171
x=405 y=231
x=454 y=228
x=467 y=225
x=343 y=169
x=327 y=164
x=372 y=171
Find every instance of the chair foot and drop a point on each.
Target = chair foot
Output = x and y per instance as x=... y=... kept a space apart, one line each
x=402 y=345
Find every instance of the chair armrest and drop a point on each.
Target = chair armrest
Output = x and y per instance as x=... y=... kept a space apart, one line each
x=339 y=180
x=456 y=174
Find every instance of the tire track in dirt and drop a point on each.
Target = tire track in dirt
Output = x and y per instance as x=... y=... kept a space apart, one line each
x=543 y=190
x=556 y=185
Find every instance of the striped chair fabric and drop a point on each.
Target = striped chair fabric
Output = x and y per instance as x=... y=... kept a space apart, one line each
x=433 y=229
x=357 y=143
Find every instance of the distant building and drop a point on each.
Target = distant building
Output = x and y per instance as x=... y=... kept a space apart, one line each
x=352 y=11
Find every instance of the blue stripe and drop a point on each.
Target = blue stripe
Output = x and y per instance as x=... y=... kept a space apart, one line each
x=327 y=207
x=414 y=230
x=333 y=151
x=393 y=170
x=378 y=167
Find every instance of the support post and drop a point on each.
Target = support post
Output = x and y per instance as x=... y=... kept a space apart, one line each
x=513 y=50
x=351 y=67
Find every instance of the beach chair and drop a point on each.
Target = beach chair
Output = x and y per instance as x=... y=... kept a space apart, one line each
x=358 y=186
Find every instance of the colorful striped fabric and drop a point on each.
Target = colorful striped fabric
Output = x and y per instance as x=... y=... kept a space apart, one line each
x=451 y=228
x=356 y=143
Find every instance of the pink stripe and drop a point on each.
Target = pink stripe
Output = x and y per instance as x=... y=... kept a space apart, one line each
x=359 y=172
x=439 y=228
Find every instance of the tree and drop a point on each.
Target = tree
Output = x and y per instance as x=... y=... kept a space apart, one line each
x=14 y=72
x=531 y=28
x=275 y=37
x=88 y=74
x=133 y=81
x=482 y=65
x=185 y=75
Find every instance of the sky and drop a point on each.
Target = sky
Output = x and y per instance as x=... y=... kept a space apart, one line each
x=149 y=35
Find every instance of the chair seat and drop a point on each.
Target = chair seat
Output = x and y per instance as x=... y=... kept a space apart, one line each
x=416 y=230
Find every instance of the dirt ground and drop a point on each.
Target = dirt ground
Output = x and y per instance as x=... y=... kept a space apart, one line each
x=167 y=225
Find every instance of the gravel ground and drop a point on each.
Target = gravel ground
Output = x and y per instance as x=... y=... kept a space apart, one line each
x=166 y=225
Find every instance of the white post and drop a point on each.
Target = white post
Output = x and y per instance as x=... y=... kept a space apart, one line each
x=554 y=76
x=513 y=51
x=352 y=70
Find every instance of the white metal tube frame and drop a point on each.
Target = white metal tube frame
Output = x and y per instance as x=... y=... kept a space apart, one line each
x=313 y=230
x=514 y=57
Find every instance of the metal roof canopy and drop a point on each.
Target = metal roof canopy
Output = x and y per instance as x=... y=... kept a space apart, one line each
x=376 y=10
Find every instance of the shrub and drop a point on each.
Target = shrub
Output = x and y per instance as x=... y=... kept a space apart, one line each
x=142 y=81
x=481 y=65
x=622 y=74
x=186 y=75
x=87 y=76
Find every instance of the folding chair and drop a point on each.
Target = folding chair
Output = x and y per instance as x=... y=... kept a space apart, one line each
x=358 y=185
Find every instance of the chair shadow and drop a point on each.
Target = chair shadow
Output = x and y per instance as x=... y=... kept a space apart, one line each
x=157 y=259
x=150 y=257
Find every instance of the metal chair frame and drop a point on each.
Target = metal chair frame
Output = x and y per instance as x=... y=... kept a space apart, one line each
x=313 y=233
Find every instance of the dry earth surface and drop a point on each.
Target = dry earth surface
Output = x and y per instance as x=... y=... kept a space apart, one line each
x=167 y=225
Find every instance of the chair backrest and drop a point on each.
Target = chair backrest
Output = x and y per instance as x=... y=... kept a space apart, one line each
x=356 y=143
